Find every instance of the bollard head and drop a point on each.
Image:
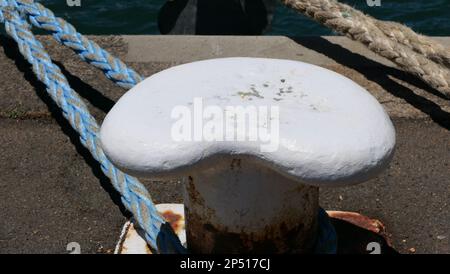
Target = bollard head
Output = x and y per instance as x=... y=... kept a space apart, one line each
x=307 y=123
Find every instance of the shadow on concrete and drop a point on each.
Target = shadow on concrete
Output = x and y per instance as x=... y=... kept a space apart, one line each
x=11 y=51
x=379 y=74
x=353 y=239
x=93 y=96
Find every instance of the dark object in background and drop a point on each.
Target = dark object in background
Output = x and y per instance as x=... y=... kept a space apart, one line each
x=353 y=239
x=216 y=17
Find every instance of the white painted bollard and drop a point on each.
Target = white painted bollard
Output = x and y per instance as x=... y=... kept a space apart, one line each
x=254 y=138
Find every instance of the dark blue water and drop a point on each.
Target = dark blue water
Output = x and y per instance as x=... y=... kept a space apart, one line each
x=430 y=17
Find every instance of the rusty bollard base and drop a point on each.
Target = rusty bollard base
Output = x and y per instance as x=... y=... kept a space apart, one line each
x=132 y=241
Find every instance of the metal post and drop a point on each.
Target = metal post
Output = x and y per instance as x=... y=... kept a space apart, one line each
x=244 y=207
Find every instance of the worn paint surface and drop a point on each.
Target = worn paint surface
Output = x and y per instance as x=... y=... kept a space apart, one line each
x=242 y=207
x=132 y=241
x=362 y=221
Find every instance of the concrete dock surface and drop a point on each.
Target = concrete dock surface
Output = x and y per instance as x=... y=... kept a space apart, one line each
x=52 y=192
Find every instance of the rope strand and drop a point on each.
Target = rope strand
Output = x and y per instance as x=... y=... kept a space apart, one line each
x=135 y=196
x=63 y=32
x=359 y=27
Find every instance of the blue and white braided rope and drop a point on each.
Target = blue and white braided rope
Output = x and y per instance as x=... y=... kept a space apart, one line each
x=41 y=17
x=135 y=196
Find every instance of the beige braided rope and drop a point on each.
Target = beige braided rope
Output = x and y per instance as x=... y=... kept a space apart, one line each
x=392 y=41
x=419 y=43
x=403 y=35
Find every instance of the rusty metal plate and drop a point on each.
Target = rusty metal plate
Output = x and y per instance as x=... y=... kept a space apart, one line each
x=132 y=241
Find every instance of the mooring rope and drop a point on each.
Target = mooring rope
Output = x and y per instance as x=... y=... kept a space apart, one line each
x=391 y=40
x=412 y=52
x=135 y=196
x=419 y=43
x=88 y=50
